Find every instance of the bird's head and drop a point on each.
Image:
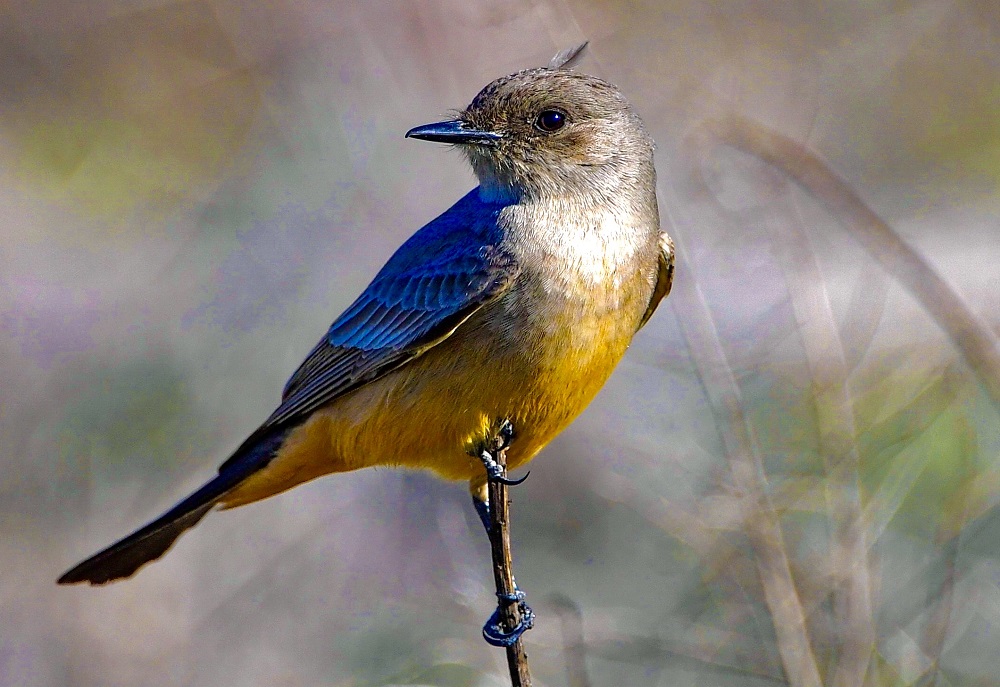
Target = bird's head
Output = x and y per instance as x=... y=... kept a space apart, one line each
x=549 y=132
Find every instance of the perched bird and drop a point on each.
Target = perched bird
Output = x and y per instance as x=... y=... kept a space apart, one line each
x=514 y=306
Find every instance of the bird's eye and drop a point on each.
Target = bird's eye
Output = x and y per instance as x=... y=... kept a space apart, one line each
x=550 y=120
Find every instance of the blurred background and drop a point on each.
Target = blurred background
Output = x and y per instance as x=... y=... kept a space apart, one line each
x=791 y=478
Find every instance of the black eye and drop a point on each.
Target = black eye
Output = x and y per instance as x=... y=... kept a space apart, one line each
x=550 y=120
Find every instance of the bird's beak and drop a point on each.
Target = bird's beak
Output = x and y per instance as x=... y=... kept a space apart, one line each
x=454 y=131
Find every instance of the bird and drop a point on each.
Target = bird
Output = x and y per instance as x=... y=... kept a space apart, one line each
x=508 y=311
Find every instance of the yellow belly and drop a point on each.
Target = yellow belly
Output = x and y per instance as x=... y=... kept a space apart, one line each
x=431 y=412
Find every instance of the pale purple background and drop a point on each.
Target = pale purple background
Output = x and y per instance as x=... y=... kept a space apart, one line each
x=191 y=191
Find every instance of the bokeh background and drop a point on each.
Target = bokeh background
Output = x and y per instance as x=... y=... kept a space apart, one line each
x=791 y=478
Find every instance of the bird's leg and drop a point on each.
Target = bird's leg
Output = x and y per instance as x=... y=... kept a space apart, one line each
x=490 y=447
x=496 y=524
x=482 y=510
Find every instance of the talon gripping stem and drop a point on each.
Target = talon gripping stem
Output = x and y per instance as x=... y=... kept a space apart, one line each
x=493 y=631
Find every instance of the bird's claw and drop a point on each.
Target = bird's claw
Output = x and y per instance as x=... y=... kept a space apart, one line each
x=495 y=473
x=513 y=482
x=493 y=631
x=501 y=441
x=505 y=432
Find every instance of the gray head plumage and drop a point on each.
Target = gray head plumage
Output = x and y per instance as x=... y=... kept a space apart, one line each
x=550 y=131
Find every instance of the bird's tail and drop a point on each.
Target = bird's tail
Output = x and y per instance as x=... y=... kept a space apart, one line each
x=122 y=559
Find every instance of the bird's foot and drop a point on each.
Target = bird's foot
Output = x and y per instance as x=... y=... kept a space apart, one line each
x=501 y=441
x=493 y=631
x=505 y=432
x=495 y=473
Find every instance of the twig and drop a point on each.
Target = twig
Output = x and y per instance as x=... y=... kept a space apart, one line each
x=970 y=333
x=517 y=659
x=574 y=647
x=942 y=599
x=747 y=471
x=837 y=439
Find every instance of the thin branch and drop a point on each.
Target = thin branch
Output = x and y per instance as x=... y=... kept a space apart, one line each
x=749 y=480
x=971 y=334
x=574 y=646
x=503 y=575
x=838 y=445
x=942 y=599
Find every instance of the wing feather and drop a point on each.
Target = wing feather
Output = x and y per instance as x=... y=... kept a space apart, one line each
x=664 y=277
x=398 y=317
x=439 y=278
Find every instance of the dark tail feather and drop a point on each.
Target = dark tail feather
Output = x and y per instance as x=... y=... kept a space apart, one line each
x=125 y=557
x=131 y=553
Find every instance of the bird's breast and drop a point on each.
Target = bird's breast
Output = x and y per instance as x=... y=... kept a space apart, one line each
x=585 y=276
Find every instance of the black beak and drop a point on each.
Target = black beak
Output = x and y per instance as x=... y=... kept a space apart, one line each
x=454 y=131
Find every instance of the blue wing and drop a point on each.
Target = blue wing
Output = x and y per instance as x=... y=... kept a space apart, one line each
x=434 y=282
